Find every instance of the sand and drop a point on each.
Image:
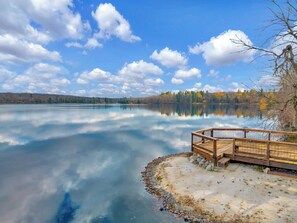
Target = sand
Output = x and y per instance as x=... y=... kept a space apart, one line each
x=239 y=193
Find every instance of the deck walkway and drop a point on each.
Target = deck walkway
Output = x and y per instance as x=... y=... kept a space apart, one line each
x=253 y=146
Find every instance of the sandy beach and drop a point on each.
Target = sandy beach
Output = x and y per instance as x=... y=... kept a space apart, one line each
x=239 y=193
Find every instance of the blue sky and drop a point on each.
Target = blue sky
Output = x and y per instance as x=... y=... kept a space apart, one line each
x=131 y=48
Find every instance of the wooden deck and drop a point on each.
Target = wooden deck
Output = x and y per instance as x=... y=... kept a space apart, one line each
x=213 y=145
x=224 y=147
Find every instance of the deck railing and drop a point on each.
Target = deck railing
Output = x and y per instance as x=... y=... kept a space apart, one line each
x=201 y=145
x=264 y=147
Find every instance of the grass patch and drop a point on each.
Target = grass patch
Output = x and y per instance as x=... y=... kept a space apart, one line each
x=159 y=178
x=258 y=168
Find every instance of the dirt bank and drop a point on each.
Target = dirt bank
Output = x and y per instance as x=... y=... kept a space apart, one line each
x=239 y=193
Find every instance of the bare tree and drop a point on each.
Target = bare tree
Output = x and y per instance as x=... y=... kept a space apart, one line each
x=282 y=54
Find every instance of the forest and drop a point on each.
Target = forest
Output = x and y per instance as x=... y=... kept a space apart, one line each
x=192 y=97
x=260 y=97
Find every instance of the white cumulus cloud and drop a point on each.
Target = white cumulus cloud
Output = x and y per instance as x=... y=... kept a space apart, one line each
x=139 y=69
x=154 y=82
x=213 y=73
x=96 y=74
x=176 y=81
x=186 y=74
x=26 y=26
x=169 y=58
x=211 y=88
x=207 y=87
x=92 y=43
x=14 y=50
x=40 y=78
x=221 y=50
x=268 y=82
x=112 y=23
x=6 y=74
x=197 y=87
x=237 y=87
x=74 y=44
x=133 y=79
x=56 y=19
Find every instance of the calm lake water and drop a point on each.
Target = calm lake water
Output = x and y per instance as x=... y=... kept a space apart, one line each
x=82 y=163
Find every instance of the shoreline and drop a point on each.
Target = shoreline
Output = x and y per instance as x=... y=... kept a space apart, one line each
x=239 y=193
x=168 y=200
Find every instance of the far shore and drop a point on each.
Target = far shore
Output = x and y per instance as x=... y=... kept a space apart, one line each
x=239 y=193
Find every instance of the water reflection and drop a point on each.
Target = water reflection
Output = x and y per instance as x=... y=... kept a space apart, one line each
x=54 y=158
x=67 y=209
x=242 y=110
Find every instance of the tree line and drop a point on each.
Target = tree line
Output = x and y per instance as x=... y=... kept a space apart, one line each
x=261 y=97
x=28 y=98
x=183 y=97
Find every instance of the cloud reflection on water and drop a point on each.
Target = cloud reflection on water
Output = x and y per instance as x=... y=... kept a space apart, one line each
x=95 y=155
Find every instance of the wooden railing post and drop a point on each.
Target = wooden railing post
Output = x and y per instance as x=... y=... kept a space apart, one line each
x=233 y=152
x=203 y=140
x=244 y=133
x=215 y=152
x=268 y=153
x=268 y=149
x=192 y=142
x=211 y=133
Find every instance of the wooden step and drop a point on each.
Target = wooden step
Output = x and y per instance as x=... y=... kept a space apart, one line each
x=224 y=162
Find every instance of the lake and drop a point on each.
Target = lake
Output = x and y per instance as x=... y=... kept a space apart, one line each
x=82 y=163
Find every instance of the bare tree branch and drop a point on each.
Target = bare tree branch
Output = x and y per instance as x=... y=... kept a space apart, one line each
x=281 y=54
